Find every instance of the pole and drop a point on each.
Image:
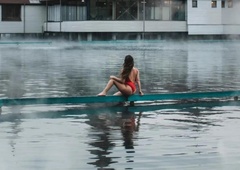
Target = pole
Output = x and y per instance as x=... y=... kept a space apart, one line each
x=143 y=33
x=60 y=15
x=47 y=16
x=24 y=19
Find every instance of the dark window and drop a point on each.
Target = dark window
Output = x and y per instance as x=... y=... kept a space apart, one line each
x=214 y=4
x=11 y=12
x=100 y=10
x=194 y=3
x=223 y=3
x=126 y=10
x=101 y=4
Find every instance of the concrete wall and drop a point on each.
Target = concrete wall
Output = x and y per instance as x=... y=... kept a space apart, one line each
x=230 y=16
x=231 y=19
x=204 y=13
x=116 y=26
x=33 y=17
x=205 y=20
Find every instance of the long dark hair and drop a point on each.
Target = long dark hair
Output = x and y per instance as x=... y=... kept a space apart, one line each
x=127 y=67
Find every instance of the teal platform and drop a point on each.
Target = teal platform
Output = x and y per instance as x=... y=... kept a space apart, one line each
x=109 y=99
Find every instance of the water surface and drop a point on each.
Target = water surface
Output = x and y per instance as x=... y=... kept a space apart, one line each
x=200 y=135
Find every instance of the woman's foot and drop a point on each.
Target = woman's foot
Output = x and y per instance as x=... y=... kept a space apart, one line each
x=102 y=94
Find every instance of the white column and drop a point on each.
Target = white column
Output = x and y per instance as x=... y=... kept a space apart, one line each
x=89 y=36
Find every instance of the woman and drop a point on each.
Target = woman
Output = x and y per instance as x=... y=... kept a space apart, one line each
x=126 y=83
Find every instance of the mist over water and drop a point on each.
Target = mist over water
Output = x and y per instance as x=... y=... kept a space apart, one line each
x=44 y=70
x=180 y=136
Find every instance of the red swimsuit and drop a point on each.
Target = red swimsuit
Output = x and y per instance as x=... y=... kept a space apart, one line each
x=131 y=84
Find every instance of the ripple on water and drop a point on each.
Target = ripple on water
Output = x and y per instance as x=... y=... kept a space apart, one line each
x=179 y=136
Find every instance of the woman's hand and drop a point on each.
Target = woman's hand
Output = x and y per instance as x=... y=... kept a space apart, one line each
x=141 y=93
x=116 y=79
x=112 y=77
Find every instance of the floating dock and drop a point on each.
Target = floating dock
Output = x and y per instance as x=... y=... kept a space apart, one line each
x=114 y=99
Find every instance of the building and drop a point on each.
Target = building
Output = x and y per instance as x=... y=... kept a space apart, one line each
x=21 y=17
x=119 y=19
x=213 y=17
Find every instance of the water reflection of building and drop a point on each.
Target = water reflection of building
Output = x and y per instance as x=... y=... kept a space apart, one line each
x=118 y=19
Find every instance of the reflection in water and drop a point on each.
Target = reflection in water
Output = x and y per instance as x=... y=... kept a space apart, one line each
x=101 y=135
x=16 y=129
x=128 y=126
x=198 y=121
x=101 y=144
x=15 y=120
x=199 y=117
x=171 y=135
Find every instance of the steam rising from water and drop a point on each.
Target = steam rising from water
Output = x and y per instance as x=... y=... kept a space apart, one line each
x=73 y=69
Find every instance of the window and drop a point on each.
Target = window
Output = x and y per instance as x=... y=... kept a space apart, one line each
x=194 y=3
x=230 y=3
x=163 y=10
x=11 y=12
x=100 y=10
x=126 y=10
x=178 y=10
x=223 y=3
x=214 y=4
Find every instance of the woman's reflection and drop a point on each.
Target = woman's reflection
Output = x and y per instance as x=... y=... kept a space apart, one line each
x=100 y=140
x=103 y=129
x=128 y=127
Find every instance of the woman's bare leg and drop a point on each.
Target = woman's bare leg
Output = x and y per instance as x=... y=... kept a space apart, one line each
x=117 y=93
x=124 y=89
x=107 y=88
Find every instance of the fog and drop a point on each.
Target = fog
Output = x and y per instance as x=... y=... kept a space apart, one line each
x=76 y=69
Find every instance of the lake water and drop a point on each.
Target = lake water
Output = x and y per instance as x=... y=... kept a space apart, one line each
x=199 y=135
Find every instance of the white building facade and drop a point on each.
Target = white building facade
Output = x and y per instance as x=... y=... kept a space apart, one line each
x=116 y=17
x=213 y=17
x=21 y=18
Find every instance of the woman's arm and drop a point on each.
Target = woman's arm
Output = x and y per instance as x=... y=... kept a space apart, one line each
x=139 y=83
x=116 y=79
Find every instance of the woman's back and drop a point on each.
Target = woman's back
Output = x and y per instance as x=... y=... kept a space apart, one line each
x=133 y=76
